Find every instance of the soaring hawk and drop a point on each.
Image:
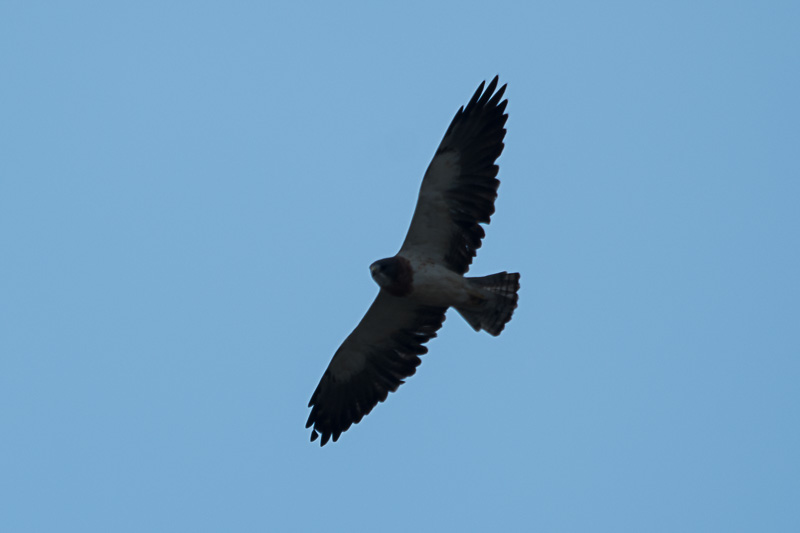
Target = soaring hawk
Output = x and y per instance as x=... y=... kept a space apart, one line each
x=426 y=277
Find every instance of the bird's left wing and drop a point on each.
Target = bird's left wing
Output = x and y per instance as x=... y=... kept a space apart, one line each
x=383 y=350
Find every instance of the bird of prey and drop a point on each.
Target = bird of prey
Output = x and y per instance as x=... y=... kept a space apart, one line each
x=426 y=277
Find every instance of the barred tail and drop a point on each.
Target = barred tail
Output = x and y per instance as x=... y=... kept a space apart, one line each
x=498 y=302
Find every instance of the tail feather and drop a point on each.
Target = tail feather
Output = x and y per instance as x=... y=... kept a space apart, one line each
x=497 y=306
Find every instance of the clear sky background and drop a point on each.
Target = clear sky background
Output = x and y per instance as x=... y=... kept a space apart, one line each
x=191 y=195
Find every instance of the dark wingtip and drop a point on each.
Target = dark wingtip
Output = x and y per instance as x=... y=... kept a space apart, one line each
x=314 y=435
x=490 y=88
x=474 y=99
x=497 y=96
x=488 y=97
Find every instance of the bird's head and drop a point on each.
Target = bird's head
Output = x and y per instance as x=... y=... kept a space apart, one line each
x=383 y=272
x=393 y=274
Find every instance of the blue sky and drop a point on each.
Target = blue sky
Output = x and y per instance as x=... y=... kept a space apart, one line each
x=191 y=195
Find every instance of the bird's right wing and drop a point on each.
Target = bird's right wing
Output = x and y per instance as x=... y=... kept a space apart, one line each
x=374 y=360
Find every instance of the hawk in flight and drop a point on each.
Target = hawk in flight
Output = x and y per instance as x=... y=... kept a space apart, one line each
x=426 y=277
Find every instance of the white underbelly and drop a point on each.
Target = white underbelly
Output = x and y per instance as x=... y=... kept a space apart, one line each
x=436 y=285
